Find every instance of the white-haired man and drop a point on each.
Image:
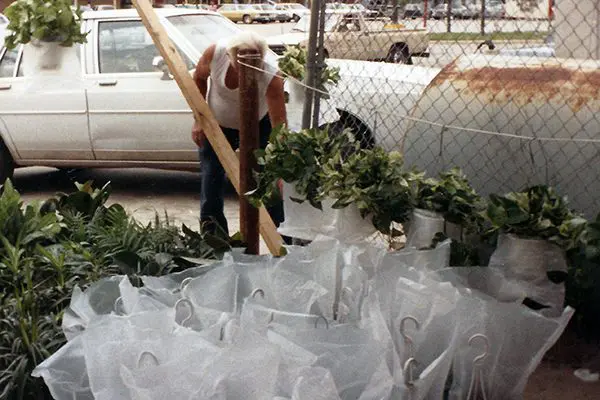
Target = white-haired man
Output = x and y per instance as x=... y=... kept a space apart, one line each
x=219 y=63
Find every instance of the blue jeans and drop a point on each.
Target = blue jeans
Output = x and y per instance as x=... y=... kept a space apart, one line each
x=212 y=178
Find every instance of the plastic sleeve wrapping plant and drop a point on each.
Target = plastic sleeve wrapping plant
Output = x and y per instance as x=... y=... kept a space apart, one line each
x=216 y=290
x=528 y=262
x=172 y=282
x=423 y=260
x=65 y=373
x=98 y=299
x=517 y=337
x=422 y=227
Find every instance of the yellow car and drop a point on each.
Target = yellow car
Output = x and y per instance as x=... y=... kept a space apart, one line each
x=246 y=13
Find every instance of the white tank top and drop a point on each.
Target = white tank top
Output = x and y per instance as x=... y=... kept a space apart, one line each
x=225 y=102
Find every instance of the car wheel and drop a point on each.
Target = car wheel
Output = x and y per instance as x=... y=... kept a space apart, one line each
x=7 y=165
x=398 y=54
x=296 y=18
x=360 y=130
x=247 y=19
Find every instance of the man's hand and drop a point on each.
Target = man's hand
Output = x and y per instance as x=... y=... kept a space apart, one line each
x=198 y=135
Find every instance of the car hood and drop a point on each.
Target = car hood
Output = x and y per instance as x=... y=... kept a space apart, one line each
x=287 y=38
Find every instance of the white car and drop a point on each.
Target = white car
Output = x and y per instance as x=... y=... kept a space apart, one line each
x=296 y=10
x=117 y=110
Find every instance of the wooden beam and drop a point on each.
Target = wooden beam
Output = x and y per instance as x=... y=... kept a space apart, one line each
x=203 y=114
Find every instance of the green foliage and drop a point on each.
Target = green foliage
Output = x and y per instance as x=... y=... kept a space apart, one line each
x=73 y=240
x=299 y=158
x=43 y=20
x=376 y=182
x=536 y=213
x=453 y=197
x=293 y=63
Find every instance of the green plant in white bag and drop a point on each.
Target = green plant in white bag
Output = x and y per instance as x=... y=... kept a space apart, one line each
x=50 y=21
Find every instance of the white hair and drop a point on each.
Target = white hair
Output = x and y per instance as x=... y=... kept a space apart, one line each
x=246 y=41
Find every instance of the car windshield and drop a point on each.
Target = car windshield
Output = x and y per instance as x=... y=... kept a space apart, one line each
x=203 y=30
x=297 y=6
x=245 y=7
x=303 y=24
x=267 y=7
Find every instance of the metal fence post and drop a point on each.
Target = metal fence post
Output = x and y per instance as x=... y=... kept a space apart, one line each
x=311 y=58
x=449 y=16
x=482 y=17
x=249 y=142
x=320 y=59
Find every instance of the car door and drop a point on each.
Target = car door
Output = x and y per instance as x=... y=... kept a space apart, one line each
x=136 y=113
x=43 y=117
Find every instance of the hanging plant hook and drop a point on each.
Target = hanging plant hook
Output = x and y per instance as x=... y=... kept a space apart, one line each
x=191 y=307
x=147 y=355
x=257 y=291
x=321 y=318
x=486 y=347
x=407 y=339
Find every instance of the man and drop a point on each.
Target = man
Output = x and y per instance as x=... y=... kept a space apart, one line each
x=219 y=63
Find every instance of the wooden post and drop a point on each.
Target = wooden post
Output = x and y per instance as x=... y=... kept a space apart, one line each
x=248 y=144
x=203 y=114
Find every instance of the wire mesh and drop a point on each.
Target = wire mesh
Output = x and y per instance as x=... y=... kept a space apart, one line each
x=507 y=90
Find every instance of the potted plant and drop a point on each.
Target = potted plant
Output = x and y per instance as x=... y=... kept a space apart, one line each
x=536 y=229
x=293 y=64
x=48 y=29
x=371 y=185
x=297 y=159
x=449 y=205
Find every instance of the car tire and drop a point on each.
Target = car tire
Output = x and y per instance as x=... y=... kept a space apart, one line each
x=7 y=165
x=360 y=130
x=398 y=54
x=296 y=18
x=247 y=19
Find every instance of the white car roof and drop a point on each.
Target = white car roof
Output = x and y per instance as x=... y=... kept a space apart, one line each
x=132 y=13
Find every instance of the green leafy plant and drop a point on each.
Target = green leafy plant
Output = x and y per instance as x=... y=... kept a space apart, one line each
x=452 y=196
x=536 y=213
x=43 y=20
x=376 y=182
x=48 y=248
x=293 y=63
x=298 y=158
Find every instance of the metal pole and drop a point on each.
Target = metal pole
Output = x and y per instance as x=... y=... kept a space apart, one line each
x=395 y=11
x=320 y=65
x=249 y=142
x=449 y=16
x=482 y=17
x=311 y=59
x=425 y=13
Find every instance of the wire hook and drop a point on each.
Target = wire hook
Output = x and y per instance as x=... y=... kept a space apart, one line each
x=256 y=291
x=321 y=318
x=486 y=347
x=409 y=372
x=190 y=305
x=407 y=339
x=147 y=355
x=118 y=306
x=184 y=283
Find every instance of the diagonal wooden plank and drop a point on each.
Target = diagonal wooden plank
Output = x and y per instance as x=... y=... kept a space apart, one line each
x=203 y=114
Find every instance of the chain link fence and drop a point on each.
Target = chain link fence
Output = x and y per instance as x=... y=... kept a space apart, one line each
x=506 y=90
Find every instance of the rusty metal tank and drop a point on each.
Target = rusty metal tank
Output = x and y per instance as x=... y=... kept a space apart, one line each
x=510 y=122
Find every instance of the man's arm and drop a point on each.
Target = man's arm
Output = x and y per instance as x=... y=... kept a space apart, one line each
x=202 y=71
x=276 y=102
x=201 y=75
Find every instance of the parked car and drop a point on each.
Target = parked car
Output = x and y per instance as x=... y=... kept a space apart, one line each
x=353 y=36
x=280 y=15
x=297 y=10
x=118 y=110
x=246 y=13
x=458 y=11
x=413 y=11
x=195 y=6
x=104 y=7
